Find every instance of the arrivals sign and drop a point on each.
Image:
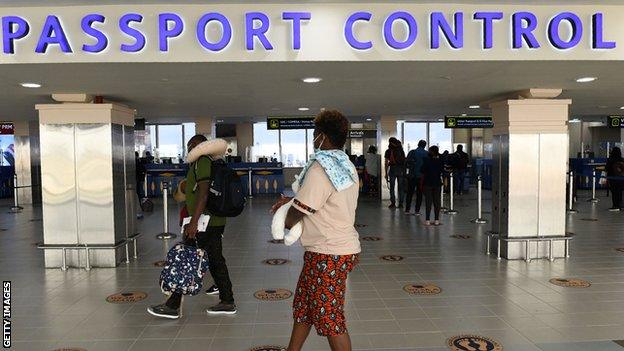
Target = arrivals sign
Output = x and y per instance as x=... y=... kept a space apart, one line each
x=310 y=32
x=290 y=123
x=362 y=133
x=453 y=122
x=615 y=121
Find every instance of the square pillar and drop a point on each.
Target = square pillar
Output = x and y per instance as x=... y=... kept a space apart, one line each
x=205 y=126
x=88 y=180
x=23 y=161
x=530 y=157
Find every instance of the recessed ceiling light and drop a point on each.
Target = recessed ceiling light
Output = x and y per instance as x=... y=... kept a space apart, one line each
x=622 y=108
x=464 y=115
x=304 y=109
x=31 y=85
x=369 y=119
x=312 y=80
x=474 y=107
x=586 y=79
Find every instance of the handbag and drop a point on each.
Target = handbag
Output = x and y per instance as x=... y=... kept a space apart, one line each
x=184 y=270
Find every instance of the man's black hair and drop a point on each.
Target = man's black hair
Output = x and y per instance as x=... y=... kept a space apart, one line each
x=422 y=143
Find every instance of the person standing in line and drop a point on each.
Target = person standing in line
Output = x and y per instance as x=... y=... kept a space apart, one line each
x=615 y=168
x=198 y=186
x=373 y=163
x=395 y=171
x=432 y=170
x=460 y=163
x=140 y=175
x=325 y=204
x=414 y=162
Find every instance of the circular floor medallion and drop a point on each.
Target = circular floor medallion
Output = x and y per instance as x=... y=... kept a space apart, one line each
x=268 y=348
x=589 y=219
x=371 y=238
x=422 y=289
x=276 y=261
x=160 y=263
x=273 y=294
x=127 y=297
x=392 y=258
x=276 y=241
x=473 y=343
x=620 y=249
x=570 y=283
x=460 y=236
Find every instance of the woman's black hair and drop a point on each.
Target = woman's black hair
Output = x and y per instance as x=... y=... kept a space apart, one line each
x=334 y=125
x=616 y=152
x=372 y=149
x=434 y=151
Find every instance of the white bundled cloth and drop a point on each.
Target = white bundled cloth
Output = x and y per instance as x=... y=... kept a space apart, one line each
x=278 y=226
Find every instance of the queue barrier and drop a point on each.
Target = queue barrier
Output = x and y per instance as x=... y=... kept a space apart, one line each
x=527 y=242
x=89 y=247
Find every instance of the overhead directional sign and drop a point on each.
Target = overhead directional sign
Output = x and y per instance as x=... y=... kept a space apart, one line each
x=615 y=121
x=453 y=122
x=362 y=133
x=274 y=123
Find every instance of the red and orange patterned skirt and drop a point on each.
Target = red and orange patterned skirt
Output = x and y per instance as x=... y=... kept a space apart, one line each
x=320 y=295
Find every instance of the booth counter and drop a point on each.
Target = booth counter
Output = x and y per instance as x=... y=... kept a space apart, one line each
x=6 y=181
x=266 y=178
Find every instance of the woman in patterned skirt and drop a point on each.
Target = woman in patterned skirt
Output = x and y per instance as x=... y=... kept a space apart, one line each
x=325 y=204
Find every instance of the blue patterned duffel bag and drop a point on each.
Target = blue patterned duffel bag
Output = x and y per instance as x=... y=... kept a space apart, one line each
x=184 y=270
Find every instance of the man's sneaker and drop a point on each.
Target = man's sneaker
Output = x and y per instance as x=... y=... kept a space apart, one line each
x=222 y=308
x=213 y=290
x=164 y=311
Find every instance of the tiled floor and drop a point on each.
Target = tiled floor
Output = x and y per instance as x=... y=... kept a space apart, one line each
x=511 y=302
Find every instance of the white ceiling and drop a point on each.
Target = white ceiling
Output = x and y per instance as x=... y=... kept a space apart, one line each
x=183 y=91
x=21 y=3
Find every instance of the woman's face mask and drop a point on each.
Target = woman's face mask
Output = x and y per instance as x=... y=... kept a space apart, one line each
x=318 y=148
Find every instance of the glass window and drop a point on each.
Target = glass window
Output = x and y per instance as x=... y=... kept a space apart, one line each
x=170 y=141
x=266 y=142
x=310 y=133
x=440 y=136
x=413 y=133
x=151 y=129
x=293 y=147
x=189 y=132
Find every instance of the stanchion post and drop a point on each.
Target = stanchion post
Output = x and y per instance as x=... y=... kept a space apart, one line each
x=452 y=209
x=165 y=235
x=16 y=208
x=593 y=198
x=249 y=182
x=571 y=193
x=479 y=219
x=442 y=208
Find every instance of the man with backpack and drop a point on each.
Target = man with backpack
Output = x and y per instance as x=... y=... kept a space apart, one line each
x=395 y=171
x=204 y=177
x=460 y=163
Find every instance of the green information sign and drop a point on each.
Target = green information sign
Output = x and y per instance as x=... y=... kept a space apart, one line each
x=275 y=123
x=454 y=122
x=615 y=121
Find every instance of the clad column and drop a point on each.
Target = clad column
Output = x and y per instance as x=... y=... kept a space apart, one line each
x=88 y=180
x=205 y=126
x=529 y=171
x=23 y=162
x=387 y=128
